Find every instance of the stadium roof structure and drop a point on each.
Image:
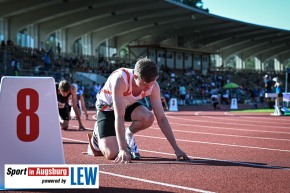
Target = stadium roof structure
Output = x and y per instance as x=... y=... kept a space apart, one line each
x=147 y=22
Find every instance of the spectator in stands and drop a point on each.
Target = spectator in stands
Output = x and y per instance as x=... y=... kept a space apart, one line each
x=268 y=84
x=3 y=44
x=226 y=97
x=97 y=87
x=116 y=103
x=37 y=70
x=64 y=90
x=278 y=89
x=182 y=94
x=261 y=95
x=253 y=97
x=58 y=48
x=41 y=46
x=256 y=97
x=164 y=103
x=166 y=94
x=277 y=85
x=215 y=99
x=10 y=43
x=47 y=61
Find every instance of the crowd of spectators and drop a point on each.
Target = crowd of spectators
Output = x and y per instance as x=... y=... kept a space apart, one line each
x=190 y=87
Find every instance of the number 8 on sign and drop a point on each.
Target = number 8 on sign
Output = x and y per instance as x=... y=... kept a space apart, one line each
x=27 y=131
x=28 y=114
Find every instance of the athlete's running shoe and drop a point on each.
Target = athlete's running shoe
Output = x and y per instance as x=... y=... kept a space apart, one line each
x=132 y=147
x=91 y=150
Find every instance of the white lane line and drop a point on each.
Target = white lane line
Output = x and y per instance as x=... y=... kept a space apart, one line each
x=234 y=129
x=156 y=182
x=90 y=129
x=143 y=180
x=198 y=113
x=194 y=157
x=211 y=143
x=225 y=135
x=220 y=128
x=263 y=116
x=227 y=123
x=75 y=140
x=248 y=119
x=220 y=144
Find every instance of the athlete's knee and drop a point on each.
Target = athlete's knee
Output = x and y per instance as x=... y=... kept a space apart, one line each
x=148 y=119
x=110 y=154
x=64 y=127
x=109 y=148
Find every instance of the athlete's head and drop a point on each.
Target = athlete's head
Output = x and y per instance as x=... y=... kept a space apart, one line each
x=64 y=87
x=146 y=72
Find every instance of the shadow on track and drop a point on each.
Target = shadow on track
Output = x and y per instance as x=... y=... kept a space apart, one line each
x=157 y=160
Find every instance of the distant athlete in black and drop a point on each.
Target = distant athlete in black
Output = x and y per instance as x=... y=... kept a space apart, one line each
x=64 y=90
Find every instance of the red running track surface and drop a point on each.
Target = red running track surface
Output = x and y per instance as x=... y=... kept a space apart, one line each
x=230 y=152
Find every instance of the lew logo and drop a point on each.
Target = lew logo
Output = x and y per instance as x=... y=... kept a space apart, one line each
x=84 y=175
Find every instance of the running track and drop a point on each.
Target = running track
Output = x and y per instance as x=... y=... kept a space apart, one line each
x=231 y=152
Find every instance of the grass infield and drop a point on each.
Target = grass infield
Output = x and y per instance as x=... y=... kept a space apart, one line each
x=255 y=111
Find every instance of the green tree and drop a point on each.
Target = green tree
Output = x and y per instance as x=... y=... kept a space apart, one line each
x=250 y=63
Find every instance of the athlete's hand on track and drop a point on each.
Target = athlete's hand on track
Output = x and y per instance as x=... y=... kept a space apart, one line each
x=180 y=154
x=82 y=128
x=123 y=157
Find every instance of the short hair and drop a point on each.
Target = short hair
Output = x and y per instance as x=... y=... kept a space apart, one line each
x=146 y=69
x=64 y=85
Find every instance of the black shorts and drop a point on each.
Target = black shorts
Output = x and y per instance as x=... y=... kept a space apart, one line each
x=106 y=120
x=64 y=112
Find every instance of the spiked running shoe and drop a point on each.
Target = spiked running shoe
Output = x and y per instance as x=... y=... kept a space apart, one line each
x=134 y=155
x=91 y=150
x=133 y=148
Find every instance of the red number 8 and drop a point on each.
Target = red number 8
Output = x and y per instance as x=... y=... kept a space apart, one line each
x=33 y=132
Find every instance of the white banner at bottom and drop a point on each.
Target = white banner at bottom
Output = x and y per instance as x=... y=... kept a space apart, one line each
x=52 y=176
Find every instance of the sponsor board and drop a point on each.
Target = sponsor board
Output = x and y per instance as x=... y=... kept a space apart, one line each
x=51 y=176
x=29 y=125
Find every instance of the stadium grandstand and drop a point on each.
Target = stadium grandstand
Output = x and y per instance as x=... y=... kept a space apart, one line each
x=86 y=40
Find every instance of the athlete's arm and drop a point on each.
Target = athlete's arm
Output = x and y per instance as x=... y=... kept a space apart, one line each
x=118 y=89
x=163 y=121
x=75 y=107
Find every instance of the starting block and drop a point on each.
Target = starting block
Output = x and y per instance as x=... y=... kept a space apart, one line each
x=234 y=103
x=30 y=130
x=173 y=104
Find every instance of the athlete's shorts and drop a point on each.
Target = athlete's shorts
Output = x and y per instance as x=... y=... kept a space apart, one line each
x=64 y=112
x=106 y=120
